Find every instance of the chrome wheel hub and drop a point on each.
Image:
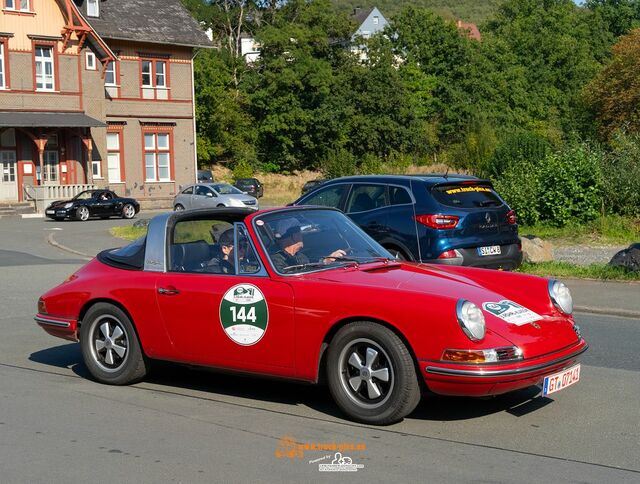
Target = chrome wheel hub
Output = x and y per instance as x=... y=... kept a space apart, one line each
x=109 y=344
x=366 y=373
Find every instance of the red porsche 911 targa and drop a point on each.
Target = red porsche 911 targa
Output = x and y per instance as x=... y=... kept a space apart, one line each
x=302 y=293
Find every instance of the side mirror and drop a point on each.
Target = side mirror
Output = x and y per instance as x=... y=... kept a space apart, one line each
x=246 y=193
x=209 y=194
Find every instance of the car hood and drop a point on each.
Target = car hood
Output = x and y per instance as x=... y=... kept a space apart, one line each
x=59 y=203
x=550 y=332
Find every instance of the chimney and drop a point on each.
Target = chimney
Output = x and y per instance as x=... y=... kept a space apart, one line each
x=356 y=10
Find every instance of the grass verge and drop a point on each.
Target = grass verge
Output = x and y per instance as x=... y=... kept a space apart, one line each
x=609 y=230
x=593 y=271
x=128 y=233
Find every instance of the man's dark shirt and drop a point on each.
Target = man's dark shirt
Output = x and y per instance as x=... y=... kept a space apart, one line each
x=282 y=259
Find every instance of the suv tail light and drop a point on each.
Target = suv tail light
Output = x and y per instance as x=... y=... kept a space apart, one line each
x=512 y=219
x=438 y=221
x=450 y=254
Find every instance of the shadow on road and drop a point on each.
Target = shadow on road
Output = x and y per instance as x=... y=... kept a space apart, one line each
x=176 y=377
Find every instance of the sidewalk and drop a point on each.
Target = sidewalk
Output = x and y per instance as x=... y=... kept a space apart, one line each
x=604 y=297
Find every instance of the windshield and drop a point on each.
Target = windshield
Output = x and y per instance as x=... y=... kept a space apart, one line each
x=86 y=195
x=224 y=189
x=300 y=241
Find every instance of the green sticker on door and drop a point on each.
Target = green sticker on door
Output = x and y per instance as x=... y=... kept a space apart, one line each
x=244 y=314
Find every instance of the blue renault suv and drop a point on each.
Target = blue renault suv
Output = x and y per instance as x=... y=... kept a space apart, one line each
x=445 y=219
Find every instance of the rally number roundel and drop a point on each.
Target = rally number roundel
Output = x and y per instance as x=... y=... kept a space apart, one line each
x=244 y=314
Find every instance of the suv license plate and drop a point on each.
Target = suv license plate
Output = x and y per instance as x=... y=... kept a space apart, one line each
x=489 y=250
x=561 y=380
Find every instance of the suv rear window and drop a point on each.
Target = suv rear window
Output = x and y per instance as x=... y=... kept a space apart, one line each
x=466 y=196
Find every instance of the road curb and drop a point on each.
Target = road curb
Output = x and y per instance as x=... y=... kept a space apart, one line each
x=54 y=243
x=626 y=313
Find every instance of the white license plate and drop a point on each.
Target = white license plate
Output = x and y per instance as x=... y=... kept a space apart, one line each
x=489 y=250
x=561 y=380
x=50 y=212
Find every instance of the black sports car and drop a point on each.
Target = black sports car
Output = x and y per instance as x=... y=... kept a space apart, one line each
x=93 y=203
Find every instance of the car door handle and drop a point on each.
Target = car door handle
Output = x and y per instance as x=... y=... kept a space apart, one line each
x=172 y=291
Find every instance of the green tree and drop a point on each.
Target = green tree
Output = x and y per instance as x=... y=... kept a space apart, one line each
x=614 y=95
x=620 y=16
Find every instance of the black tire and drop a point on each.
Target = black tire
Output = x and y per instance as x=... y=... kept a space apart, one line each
x=220 y=205
x=83 y=213
x=397 y=253
x=123 y=368
x=178 y=207
x=398 y=395
x=128 y=211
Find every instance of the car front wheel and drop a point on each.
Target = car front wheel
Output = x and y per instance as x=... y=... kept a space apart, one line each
x=82 y=214
x=371 y=374
x=110 y=346
x=128 y=211
x=178 y=208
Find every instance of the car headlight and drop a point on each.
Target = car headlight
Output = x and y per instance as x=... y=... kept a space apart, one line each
x=68 y=205
x=471 y=319
x=560 y=296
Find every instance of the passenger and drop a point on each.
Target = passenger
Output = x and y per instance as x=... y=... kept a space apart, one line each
x=290 y=243
x=222 y=260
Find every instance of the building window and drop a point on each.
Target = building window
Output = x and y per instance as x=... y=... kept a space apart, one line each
x=154 y=78
x=44 y=68
x=51 y=166
x=157 y=156
x=2 y=70
x=90 y=61
x=110 y=74
x=376 y=20
x=19 y=5
x=96 y=169
x=93 y=8
x=114 y=157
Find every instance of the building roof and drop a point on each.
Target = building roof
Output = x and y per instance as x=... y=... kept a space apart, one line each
x=359 y=15
x=473 y=32
x=13 y=119
x=153 y=21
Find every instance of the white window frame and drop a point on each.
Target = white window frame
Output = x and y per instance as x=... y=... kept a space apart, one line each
x=18 y=5
x=51 y=166
x=96 y=169
x=93 y=8
x=43 y=60
x=376 y=20
x=107 y=70
x=163 y=75
x=8 y=162
x=114 y=173
x=3 y=72
x=150 y=63
x=90 y=61
x=154 y=153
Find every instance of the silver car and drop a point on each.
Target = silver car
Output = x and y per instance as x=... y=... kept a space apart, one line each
x=207 y=195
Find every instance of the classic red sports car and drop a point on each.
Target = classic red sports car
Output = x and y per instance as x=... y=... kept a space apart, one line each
x=302 y=293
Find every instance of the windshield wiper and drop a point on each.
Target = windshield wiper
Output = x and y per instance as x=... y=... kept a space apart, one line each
x=303 y=266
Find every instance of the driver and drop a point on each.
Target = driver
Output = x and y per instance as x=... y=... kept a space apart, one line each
x=290 y=243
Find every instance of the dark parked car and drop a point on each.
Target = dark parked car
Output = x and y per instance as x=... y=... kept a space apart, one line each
x=312 y=185
x=93 y=203
x=205 y=176
x=454 y=219
x=250 y=185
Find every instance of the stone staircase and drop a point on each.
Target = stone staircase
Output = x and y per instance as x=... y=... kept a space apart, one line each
x=15 y=209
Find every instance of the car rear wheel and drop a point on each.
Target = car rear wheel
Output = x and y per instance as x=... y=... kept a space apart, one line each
x=110 y=346
x=82 y=214
x=220 y=205
x=128 y=211
x=371 y=374
x=178 y=207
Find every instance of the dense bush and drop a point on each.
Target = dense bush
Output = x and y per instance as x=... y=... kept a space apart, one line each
x=621 y=176
x=570 y=185
x=515 y=148
x=561 y=188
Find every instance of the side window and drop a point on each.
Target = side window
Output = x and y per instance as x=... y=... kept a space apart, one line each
x=399 y=196
x=203 y=191
x=202 y=246
x=366 y=197
x=327 y=197
x=247 y=260
x=188 y=191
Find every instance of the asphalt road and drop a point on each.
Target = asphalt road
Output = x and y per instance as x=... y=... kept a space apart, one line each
x=185 y=425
